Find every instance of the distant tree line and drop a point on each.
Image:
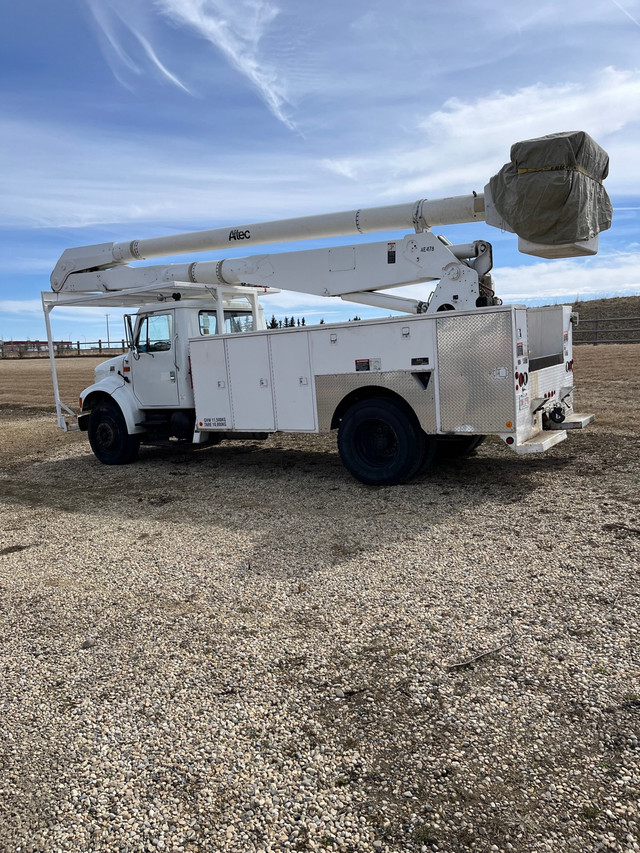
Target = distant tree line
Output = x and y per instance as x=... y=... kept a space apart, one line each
x=292 y=322
x=287 y=323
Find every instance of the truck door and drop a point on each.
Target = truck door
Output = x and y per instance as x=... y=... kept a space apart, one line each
x=154 y=371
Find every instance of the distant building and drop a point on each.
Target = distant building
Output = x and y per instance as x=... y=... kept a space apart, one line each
x=23 y=347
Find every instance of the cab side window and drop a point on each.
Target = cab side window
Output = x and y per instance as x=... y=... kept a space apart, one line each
x=155 y=333
x=208 y=321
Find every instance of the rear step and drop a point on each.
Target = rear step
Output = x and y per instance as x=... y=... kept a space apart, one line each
x=574 y=421
x=539 y=443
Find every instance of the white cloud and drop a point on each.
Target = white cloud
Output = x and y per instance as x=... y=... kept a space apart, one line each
x=132 y=41
x=236 y=28
x=616 y=274
x=626 y=12
x=287 y=301
x=116 y=25
x=466 y=141
x=75 y=178
x=21 y=307
x=33 y=308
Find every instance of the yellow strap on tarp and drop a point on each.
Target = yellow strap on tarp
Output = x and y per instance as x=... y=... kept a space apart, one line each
x=563 y=168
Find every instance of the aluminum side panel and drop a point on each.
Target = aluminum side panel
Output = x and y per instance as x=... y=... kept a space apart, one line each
x=475 y=372
x=332 y=388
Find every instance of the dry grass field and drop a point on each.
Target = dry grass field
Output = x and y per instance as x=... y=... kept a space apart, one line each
x=243 y=649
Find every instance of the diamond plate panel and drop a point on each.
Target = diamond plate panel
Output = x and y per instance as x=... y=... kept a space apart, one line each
x=332 y=388
x=475 y=370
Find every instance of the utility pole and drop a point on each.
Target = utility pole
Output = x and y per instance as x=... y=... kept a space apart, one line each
x=108 y=341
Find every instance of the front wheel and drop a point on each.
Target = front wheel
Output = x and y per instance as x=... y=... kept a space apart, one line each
x=108 y=436
x=380 y=442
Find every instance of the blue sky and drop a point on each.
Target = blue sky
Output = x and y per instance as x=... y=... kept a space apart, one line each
x=126 y=119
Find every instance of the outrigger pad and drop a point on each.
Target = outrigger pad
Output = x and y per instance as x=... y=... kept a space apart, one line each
x=551 y=192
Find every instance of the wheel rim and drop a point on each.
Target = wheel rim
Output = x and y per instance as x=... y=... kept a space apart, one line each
x=376 y=442
x=106 y=435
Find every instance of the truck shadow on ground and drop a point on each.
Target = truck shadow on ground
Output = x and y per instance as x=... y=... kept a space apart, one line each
x=292 y=477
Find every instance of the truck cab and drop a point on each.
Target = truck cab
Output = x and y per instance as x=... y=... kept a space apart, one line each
x=147 y=393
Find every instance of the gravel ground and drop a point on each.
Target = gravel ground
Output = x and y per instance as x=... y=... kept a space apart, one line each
x=243 y=649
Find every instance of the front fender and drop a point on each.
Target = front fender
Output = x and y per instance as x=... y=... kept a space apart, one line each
x=115 y=388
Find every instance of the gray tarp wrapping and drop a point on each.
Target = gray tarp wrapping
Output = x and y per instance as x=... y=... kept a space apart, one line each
x=551 y=191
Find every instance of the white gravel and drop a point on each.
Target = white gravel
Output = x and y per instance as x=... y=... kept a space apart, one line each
x=244 y=649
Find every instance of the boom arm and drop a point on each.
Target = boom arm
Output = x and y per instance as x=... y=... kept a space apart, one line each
x=354 y=273
x=419 y=215
x=551 y=193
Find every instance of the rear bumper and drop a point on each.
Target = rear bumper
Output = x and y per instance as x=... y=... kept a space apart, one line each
x=573 y=421
x=539 y=443
x=553 y=433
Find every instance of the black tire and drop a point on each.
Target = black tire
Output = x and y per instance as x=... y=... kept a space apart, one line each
x=380 y=442
x=108 y=436
x=455 y=446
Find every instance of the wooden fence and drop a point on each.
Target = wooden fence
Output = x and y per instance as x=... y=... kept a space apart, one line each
x=40 y=349
x=608 y=330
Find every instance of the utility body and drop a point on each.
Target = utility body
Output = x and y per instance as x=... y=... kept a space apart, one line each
x=201 y=366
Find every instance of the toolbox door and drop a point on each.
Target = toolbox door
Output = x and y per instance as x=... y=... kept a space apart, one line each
x=475 y=373
x=210 y=384
x=250 y=383
x=292 y=381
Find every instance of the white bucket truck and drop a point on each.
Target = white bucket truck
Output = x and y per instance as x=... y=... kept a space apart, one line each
x=453 y=366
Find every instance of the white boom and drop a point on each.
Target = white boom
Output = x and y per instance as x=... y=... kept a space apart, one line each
x=551 y=195
x=353 y=272
x=419 y=215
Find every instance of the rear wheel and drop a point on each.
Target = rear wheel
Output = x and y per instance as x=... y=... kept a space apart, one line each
x=108 y=436
x=380 y=442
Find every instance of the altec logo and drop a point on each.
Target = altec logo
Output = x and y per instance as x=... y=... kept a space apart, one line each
x=237 y=234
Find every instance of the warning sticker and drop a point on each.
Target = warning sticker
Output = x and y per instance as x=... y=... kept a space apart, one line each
x=391 y=253
x=363 y=364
